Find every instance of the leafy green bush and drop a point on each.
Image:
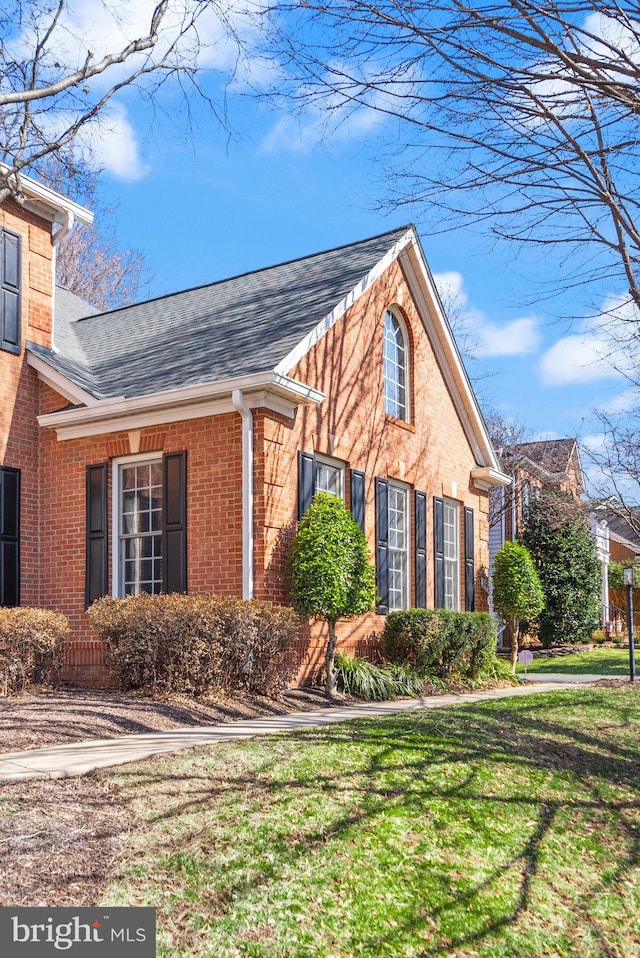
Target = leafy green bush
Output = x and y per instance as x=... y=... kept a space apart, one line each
x=557 y=535
x=517 y=593
x=441 y=643
x=196 y=643
x=331 y=575
x=365 y=680
x=30 y=647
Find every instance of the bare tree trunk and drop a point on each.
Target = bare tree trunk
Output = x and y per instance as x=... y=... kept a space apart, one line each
x=329 y=666
x=515 y=642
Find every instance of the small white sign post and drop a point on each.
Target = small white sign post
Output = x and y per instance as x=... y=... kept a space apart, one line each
x=526 y=658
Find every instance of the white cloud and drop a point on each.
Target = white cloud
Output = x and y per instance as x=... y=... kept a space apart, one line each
x=515 y=338
x=107 y=143
x=622 y=403
x=600 y=351
x=305 y=133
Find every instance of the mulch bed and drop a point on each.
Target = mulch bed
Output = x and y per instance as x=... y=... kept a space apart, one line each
x=58 y=716
x=59 y=839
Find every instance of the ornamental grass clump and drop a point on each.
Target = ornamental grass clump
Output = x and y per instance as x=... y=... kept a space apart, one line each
x=30 y=647
x=366 y=680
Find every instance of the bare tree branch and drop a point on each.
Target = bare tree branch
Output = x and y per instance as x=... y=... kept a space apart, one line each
x=53 y=87
x=521 y=115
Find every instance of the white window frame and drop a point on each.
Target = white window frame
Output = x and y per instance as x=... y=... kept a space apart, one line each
x=332 y=464
x=117 y=584
x=405 y=553
x=452 y=598
x=394 y=314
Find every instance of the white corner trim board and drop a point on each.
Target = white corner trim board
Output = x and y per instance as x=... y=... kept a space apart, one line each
x=247 y=492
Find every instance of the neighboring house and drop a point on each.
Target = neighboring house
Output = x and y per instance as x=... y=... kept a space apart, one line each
x=533 y=466
x=173 y=445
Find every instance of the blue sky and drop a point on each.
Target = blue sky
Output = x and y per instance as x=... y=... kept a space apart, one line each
x=202 y=206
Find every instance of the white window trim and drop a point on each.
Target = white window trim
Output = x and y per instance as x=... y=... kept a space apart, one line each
x=116 y=518
x=403 y=487
x=335 y=464
x=453 y=504
x=399 y=318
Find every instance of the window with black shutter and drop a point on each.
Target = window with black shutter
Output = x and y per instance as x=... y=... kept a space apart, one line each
x=438 y=550
x=96 y=570
x=469 y=562
x=9 y=536
x=318 y=474
x=421 y=549
x=150 y=526
x=10 y=332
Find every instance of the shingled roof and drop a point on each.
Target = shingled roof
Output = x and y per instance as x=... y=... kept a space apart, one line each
x=552 y=455
x=240 y=326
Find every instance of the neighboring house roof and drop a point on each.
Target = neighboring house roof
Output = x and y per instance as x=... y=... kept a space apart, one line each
x=619 y=525
x=553 y=455
x=243 y=325
x=553 y=459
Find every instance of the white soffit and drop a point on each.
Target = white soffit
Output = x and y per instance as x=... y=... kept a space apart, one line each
x=267 y=390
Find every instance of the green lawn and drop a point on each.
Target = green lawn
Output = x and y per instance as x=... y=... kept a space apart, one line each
x=597 y=662
x=506 y=828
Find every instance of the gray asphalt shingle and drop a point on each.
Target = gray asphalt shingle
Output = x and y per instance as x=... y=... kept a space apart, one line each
x=234 y=327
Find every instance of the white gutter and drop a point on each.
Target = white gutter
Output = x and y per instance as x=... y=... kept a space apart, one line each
x=66 y=227
x=111 y=415
x=247 y=493
x=42 y=195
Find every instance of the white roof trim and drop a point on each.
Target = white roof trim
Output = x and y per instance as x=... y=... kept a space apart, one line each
x=55 y=201
x=300 y=351
x=437 y=327
x=485 y=478
x=424 y=292
x=277 y=392
x=60 y=383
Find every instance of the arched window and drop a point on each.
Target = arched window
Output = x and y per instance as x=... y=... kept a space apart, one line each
x=396 y=368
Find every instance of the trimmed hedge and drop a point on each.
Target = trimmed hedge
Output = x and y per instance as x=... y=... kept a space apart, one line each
x=30 y=647
x=440 y=642
x=196 y=643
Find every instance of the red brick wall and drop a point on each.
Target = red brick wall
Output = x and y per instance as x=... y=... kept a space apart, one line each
x=18 y=425
x=432 y=454
x=214 y=516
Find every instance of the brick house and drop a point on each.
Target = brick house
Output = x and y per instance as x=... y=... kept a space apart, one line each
x=172 y=445
x=552 y=464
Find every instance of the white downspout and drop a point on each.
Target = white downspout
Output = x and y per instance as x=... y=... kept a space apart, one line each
x=59 y=234
x=247 y=492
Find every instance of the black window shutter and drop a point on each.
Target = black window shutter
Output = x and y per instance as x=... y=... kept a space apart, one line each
x=10 y=292
x=306 y=481
x=469 y=569
x=9 y=536
x=174 y=526
x=96 y=565
x=438 y=550
x=421 y=549
x=357 y=497
x=382 y=545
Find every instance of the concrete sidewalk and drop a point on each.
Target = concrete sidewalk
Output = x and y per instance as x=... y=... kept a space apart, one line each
x=61 y=761
x=565 y=677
